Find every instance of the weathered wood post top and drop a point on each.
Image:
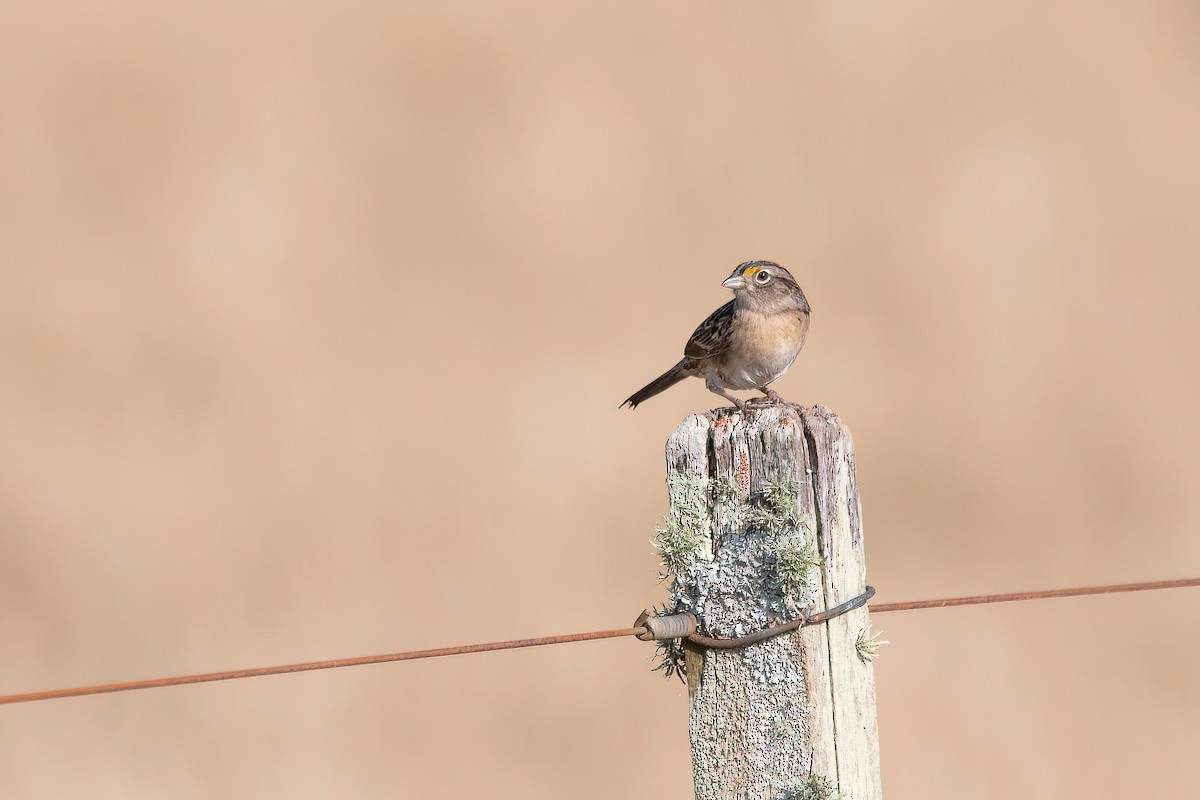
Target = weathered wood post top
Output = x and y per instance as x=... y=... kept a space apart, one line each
x=765 y=526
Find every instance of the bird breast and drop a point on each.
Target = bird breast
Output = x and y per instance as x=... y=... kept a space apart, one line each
x=763 y=347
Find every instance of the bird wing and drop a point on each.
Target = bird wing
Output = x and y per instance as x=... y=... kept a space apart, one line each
x=712 y=337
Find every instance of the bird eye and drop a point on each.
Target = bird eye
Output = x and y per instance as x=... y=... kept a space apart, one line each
x=762 y=277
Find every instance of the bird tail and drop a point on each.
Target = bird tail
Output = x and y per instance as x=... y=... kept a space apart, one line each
x=663 y=382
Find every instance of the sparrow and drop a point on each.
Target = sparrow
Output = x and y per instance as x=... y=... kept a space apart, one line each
x=748 y=343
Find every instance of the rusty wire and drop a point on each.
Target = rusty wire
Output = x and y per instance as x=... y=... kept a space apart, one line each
x=309 y=666
x=776 y=630
x=983 y=599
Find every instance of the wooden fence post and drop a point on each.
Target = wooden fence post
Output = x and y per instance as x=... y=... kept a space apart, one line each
x=765 y=522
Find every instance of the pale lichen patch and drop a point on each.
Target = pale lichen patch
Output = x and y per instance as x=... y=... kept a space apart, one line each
x=867 y=644
x=812 y=787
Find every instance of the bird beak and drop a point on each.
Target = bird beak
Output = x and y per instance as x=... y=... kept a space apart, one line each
x=734 y=282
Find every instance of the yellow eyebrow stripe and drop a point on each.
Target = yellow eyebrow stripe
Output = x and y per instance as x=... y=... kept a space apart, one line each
x=751 y=271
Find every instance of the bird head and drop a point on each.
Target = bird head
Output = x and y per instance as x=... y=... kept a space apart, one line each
x=766 y=285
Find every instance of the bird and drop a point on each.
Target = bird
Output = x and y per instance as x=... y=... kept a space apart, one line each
x=748 y=343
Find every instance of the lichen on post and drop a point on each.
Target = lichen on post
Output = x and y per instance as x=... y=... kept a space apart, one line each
x=764 y=525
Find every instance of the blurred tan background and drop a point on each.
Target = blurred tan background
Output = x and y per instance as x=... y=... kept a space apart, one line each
x=314 y=319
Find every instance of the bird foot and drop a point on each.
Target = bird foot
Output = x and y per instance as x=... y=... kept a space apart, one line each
x=744 y=407
x=772 y=396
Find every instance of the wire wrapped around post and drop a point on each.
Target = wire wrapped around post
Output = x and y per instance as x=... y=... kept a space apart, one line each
x=684 y=625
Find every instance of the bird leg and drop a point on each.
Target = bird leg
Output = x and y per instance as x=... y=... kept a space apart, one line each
x=772 y=395
x=742 y=405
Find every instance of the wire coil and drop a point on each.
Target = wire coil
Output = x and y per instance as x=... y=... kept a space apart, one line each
x=684 y=625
